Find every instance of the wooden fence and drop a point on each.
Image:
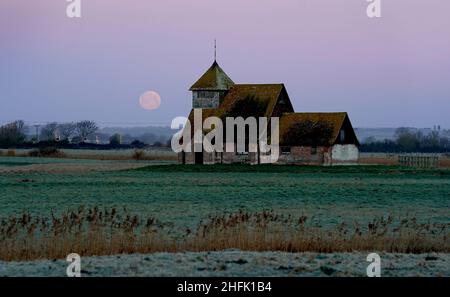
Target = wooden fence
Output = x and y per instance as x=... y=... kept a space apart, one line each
x=419 y=160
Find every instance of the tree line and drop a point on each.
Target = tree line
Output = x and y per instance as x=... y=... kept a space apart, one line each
x=73 y=132
x=16 y=134
x=409 y=141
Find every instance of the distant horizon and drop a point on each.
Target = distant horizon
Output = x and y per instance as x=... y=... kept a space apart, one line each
x=167 y=125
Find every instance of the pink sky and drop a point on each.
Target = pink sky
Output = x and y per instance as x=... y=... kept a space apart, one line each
x=387 y=72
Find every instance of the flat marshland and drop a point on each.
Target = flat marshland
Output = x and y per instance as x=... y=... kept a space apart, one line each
x=185 y=195
x=156 y=206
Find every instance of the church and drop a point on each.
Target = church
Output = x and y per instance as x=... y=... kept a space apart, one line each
x=304 y=138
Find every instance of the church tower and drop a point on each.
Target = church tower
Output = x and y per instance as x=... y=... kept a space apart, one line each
x=211 y=88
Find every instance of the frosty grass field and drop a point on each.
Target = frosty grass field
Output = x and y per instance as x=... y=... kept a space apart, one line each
x=182 y=196
x=185 y=195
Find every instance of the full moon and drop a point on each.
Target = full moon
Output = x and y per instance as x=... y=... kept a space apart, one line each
x=150 y=100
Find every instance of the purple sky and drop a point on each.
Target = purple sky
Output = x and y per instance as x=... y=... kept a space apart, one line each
x=388 y=72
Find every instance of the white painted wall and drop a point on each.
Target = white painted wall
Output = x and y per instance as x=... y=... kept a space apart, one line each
x=345 y=153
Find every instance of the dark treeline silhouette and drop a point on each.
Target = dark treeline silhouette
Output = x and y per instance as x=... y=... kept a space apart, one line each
x=79 y=135
x=407 y=141
x=12 y=134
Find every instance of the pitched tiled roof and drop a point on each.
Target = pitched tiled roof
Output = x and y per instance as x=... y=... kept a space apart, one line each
x=213 y=79
x=335 y=120
x=265 y=96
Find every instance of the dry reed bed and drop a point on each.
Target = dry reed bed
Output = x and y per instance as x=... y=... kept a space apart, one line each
x=111 y=231
x=444 y=162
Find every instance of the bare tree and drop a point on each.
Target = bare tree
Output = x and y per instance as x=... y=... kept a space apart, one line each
x=86 y=128
x=115 y=139
x=407 y=139
x=48 y=132
x=67 y=130
x=12 y=134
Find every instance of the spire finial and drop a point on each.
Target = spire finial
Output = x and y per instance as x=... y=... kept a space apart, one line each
x=215 y=50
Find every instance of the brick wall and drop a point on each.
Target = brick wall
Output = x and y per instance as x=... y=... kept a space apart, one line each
x=306 y=155
x=300 y=155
